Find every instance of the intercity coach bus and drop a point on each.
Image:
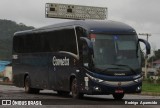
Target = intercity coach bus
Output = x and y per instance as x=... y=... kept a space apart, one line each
x=79 y=57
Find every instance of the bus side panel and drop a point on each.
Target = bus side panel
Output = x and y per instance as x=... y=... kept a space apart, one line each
x=35 y=66
x=59 y=74
x=18 y=79
x=18 y=71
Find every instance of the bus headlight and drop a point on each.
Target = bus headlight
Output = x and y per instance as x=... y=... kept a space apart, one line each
x=94 y=79
x=138 y=80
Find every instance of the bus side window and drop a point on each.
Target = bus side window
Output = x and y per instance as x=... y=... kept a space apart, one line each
x=17 y=44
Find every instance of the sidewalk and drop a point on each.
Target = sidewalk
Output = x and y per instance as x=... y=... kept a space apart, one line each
x=5 y=83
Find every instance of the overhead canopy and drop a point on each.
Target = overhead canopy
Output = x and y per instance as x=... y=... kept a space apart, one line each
x=3 y=65
x=157 y=62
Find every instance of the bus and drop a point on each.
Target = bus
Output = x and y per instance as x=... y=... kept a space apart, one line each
x=79 y=57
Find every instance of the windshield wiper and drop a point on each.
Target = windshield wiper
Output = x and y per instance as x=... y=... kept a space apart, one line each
x=131 y=69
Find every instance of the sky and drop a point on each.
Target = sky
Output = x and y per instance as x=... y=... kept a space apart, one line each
x=142 y=15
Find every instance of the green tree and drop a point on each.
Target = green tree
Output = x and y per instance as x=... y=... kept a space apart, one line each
x=7 y=30
x=156 y=56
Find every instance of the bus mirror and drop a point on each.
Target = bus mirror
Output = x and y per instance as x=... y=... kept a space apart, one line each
x=148 y=47
x=87 y=52
x=88 y=42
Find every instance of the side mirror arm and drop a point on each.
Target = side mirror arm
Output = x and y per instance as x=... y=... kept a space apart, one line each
x=89 y=43
x=148 y=47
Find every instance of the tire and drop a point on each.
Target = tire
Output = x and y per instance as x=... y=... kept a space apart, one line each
x=75 y=91
x=63 y=93
x=27 y=86
x=35 y=91
x=118 y=96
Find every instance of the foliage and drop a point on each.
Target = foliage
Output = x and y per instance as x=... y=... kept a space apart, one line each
x=158 y=80
x=7 y=30
x=150 y=87
x=1 y=75
x=150 y=80
x=156 y=56
x=158 y=74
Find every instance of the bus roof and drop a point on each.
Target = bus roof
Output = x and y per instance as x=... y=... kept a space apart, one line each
x=107 y=26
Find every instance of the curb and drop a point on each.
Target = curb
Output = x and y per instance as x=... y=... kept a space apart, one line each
x=6 y=83
x=150 y=93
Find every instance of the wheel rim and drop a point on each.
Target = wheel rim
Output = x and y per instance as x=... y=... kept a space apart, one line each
x=26 y=86
x=118 y=96
x=74 y=88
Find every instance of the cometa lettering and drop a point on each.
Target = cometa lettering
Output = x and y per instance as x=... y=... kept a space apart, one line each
x=60 y=62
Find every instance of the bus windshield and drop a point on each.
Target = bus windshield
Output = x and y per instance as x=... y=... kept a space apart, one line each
x=115 y=50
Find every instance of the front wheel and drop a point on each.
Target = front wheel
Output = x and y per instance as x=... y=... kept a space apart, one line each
x=118 y=96
x=74 y=90
x=27 y=87
x=63 y=93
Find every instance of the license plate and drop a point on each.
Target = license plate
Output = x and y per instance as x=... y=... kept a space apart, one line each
x=119 y=91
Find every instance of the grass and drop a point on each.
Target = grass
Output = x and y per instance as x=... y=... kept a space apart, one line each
x=150 y=87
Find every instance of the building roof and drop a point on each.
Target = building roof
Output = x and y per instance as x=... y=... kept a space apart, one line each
x=157 y=62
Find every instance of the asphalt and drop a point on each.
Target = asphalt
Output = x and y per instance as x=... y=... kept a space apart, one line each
x=142 y=93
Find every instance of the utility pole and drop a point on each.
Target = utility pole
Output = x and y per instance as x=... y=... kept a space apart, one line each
x=146 y=57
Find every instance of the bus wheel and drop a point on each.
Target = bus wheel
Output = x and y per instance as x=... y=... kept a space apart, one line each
x=118 y=96
x=63 y=93
x=74 y=90
x=27 y=87
x=35 y=91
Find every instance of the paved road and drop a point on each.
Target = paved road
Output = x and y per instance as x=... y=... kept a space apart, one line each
x=51 y=97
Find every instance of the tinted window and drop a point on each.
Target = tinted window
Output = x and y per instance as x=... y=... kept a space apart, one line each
x=60 y=40
x=63 y=40
x=18 y=44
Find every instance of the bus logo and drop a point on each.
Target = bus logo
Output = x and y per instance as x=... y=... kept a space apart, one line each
x=119 y=74
x=60 y=62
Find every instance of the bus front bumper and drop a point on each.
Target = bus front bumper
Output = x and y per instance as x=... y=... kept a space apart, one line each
x=98 y=86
